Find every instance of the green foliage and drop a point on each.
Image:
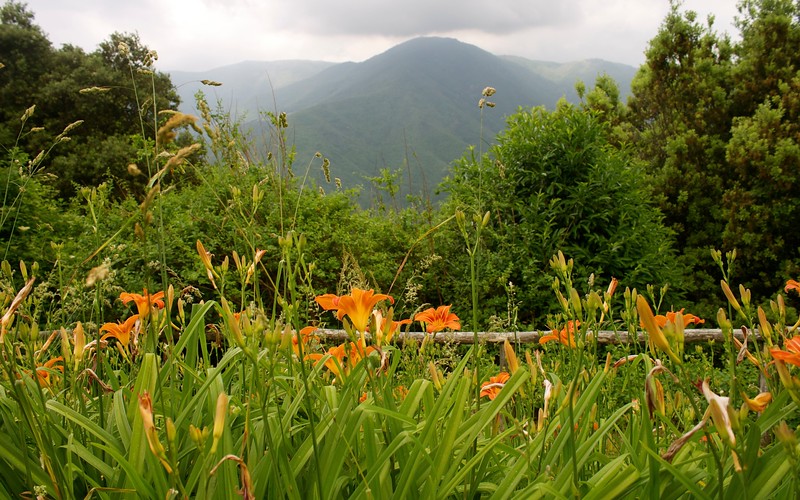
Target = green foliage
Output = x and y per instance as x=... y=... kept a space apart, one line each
x=762 y=203
x=243 y=412
x=30 y=216
x=554 y=183
x=715 y=122
x=25 y=52
x=102 y=89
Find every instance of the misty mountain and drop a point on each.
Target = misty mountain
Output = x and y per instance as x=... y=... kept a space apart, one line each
x=566 y=74
x=247 y=87
x=412 y=108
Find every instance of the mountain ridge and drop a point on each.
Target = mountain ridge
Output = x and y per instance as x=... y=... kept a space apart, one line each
x=412 y=107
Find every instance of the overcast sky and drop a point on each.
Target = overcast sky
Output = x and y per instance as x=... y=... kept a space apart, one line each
x=198 y=35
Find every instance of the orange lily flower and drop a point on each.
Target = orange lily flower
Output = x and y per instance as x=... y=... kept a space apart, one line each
x=358 y=351
x=337 y=353
x=792 y=285
x=305 y=334
x=43 y=372
x=566 y=336
x=494 y=385
x=329 y=301
x=144 y=302
x=792 y=352
x=120 y=331
x=357 y=306
x=688 y=318
x=438 y=319
x=385 y=333
x=394 y=327
x=758 y=403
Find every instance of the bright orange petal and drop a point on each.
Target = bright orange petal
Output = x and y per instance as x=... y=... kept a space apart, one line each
x=760 y=402
x=786 y=357
x=328 y=301
x=494 y=385
x=792 y=352
x=358 y=306
x=120 y=331
x=157 y=299
x=438 y=319
x=143 y=302
x=43 y=372
x=793 y=344
x=549 y=337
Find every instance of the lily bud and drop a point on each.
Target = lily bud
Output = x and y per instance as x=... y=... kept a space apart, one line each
x=485 y=221
x=219 y=420
x=79 y=345
x=511 y=357
x=729 y=295
x=233 y=324
x=656 y=336
x=436 y=376
x=763 y=324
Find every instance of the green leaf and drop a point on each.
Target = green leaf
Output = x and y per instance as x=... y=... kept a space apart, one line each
x=84 y=423
x=613 y=480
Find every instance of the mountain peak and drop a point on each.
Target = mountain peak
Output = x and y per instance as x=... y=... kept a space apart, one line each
x=414 y=105
x=433 y=46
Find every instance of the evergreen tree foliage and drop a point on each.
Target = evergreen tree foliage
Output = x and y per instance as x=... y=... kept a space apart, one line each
x=715 y=122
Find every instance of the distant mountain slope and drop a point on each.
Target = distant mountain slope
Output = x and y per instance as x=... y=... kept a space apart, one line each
x=415 y=103
x=413 y=107
x=566 y=74
x=247 y=86
x=442 y=65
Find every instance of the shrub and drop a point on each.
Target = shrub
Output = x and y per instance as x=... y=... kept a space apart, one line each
x=553 y=182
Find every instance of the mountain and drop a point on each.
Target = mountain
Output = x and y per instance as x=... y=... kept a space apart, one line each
x=413 y=107
x=566 y=74
x=246 y=86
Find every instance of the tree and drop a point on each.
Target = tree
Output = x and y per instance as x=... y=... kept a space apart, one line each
x=117 y=103
x=763 y=153
x=716 y=124
x=768 y=55
x=680 y=125
x=26 y=52
x=115 y=92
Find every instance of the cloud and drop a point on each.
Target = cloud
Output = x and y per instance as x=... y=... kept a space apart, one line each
x=192 y=34
x=419 y=17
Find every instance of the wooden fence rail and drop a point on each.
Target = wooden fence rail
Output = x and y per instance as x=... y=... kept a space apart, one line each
x=603 y=337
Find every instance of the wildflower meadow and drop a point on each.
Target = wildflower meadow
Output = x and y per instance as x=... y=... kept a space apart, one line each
x=209 y=322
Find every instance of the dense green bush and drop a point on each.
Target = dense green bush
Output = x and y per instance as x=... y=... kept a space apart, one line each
x=553 y=183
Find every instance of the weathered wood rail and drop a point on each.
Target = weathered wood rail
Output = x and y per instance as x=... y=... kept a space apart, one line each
x=603 y=337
